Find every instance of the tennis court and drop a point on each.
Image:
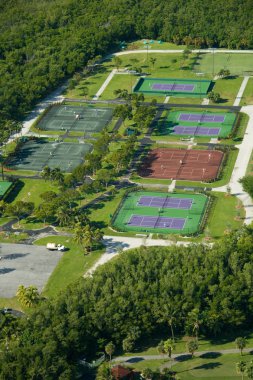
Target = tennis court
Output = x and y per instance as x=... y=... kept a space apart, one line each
x=172 y=86
x=182 y=164
x=35 y=155
x=144 y=211
x=87 y=119
x=198 y=124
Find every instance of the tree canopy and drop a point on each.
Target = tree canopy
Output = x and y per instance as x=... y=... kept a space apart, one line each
x=135 y=293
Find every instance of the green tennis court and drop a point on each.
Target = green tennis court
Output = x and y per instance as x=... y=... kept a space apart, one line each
x=5 y=187
x=87 y=119
x=145 y=211
x=236 y=63
x=172 y=86
x=206 y=123
x=34 y=155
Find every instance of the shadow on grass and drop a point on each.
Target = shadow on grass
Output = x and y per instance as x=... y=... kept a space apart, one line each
x=16 y=190
x=210 y=355
x=183 y=358
x=208 y=366
x=134 y=360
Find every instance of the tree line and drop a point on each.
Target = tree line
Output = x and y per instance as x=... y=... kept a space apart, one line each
x=194 y=290
x=42 y=43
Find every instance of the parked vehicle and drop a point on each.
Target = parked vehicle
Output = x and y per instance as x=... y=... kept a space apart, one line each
x=55 y=247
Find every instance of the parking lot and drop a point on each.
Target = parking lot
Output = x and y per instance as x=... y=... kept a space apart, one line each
x=22 y=264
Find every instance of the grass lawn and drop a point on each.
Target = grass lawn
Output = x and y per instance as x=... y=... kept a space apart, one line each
x=10 y=303
x=16 y=237
x=228 y=89
x=223 y=214
x=235 y=63
x=249 y=170
x=177 y=100
x=72 y=265
x=154 y=365
x=247 y=98
x=211 y=367
x=34 y=187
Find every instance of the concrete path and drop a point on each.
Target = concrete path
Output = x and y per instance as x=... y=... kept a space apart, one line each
x=135 y=359
x=173 y=51
x=205 y=102
x=105 y=84
x=245 y=150
x=54 y=97
x=166 y=100
x=241 y=91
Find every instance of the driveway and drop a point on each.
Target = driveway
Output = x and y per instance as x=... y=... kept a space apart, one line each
x=26 y=265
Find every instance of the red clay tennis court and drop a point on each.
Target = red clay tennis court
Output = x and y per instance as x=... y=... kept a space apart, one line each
x=192 y=165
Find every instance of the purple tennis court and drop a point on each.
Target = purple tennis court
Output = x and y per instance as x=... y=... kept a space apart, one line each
x=201 y=118
x=161 y=202
x=196 y=131
x=156 y=222
x=173 y=87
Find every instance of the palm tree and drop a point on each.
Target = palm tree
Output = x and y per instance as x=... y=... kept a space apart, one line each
x=109 y=349
x=192 y=346
x=153 y=61
x=241 y=368
x=147 y=374
x=160 y=348
x=249 y=370
x=241 y=343
x=169 y=346
x=46 y=173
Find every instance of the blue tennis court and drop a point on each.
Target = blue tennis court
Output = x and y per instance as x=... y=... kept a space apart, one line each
x=165 y=202
x=157 y=222
x=205 y=118
x=195 y=131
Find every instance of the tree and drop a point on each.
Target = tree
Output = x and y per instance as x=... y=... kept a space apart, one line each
x=64 y=216
x=240 y=343
x=192 y=346
x=127 y=344
x=104 y=372
x=169 y=346
x=153 y=61
x=241 y=368
x=249 y=370
x=109 y=349
x=45 y=211
x=124 y=111
x=147 y=374
x=117 y=61
x=104 y=176
x=28 y=296
x=19 y=209
x=160 y=348
x=46 y=173
x=247 y=184
x=214 y=96
x=85 y=92
x=57 y=175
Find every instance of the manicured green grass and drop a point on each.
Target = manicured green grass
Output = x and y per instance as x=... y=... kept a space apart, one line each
x=72 y=266
x=10 y=303
x=235 y=63
x=29 y=190
x=178 y=100
x=154 y=365
x=7 y=237
x=228 y=89
x=249 y=170
x=222 y=367
x=247 y=98
x=223 y=215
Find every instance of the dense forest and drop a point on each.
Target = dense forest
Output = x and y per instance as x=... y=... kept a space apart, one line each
x=132 y=297
x=43 y=42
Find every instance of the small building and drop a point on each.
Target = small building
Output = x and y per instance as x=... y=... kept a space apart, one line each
x=122 y=373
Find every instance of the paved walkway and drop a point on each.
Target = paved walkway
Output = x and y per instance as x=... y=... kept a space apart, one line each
x=135 y=359
x=241 y=91
x=105 y=84
x=164 y=51
x=245 y=150
x=55 y=96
